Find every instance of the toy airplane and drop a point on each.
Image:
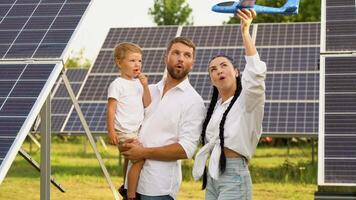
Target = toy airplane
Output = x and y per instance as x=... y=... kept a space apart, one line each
x=289 y=8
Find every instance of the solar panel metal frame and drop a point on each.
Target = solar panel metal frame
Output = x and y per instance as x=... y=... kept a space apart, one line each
x=35 y=110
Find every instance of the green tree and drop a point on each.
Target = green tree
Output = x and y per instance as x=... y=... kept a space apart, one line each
x=309 y=11
x=171 y=12
x=77 y=60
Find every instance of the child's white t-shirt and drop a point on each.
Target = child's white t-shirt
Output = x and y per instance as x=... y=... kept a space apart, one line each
x=129 y=108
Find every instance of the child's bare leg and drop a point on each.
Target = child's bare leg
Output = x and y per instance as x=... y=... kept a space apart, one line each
x=133 y=177
x=124 y=169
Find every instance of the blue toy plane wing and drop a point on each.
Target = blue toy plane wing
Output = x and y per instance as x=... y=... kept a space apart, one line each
x=290 y=7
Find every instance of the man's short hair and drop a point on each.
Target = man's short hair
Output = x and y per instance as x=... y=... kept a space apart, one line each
x=183 y=40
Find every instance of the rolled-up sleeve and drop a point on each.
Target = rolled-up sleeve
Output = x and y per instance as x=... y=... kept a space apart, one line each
x=190 y=127
x=253 y=82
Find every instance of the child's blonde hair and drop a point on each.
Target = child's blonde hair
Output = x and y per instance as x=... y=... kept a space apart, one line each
x=122 y=49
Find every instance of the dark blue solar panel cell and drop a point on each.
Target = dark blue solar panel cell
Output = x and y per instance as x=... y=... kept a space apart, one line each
x=291 y=118
x=340 y=83
x=340 y=171
x=290 y=59
x=214 y=36
x=11 y=71
x=5 y=88
x=47 y=10
x=340 y=2
x=17 y=107
x=104 y=63
x=53 y=1
x=68 y=22
x=5 y=144
x=30 y=37
x=69 y=9
x=39 y=23
x=340 y=102
x=9 y=126
x=58 y=36
x=2 y=100
x=204 y=55
x=62 y=90
x=96 y=87
x=38 y=71
x=3 y=49
x=27 y=1
x=61 y=106
x=340 y=65
x=4 y=9
x=21 y=51
x=13 y=23
x=78 y=1
x=27 y=88
x=340 y=146
x=95 y=115
x=339 y=13
x=202 y=85
x=146 y=37
x=292 y=86
x=7 y=37
x=7 y=2
x=57 y=123
x=22 y=10
x=76 y=75
x=49 y=50
x=340 y=124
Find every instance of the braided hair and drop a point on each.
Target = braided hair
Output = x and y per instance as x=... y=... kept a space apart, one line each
x=213 y=101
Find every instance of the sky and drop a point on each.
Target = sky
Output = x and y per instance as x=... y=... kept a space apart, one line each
x=104 y=14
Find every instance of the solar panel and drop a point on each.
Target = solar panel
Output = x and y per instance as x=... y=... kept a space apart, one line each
x=22 y=94
x=289 y=34
x=30 y=29
x=148 y=37
x=340 y=25
x=339 y=121
x=292 y=80
x=214 y=36
x=37 y=29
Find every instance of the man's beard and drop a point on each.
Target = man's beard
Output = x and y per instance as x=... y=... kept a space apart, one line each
x=177 y=75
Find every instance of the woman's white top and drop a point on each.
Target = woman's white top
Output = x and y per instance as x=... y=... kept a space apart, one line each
x=129 y=112
x=243 y=125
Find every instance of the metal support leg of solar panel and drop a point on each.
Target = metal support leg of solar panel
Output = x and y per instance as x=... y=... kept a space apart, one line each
x=88 y=133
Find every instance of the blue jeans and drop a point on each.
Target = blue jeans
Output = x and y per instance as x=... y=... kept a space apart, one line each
x=234 y=184
x=164 y=197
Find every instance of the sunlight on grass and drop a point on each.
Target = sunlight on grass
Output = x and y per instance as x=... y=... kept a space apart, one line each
x=276 y=174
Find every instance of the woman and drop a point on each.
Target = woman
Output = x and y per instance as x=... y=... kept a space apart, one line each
x=233 y=124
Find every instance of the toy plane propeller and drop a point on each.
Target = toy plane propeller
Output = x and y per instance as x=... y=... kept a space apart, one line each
x=289 y=8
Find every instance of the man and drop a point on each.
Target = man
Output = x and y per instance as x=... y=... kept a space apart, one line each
x=171 y=128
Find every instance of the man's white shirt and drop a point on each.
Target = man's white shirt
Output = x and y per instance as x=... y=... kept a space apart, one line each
x=174 y=118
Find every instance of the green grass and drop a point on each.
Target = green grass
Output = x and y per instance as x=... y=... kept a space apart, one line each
x=277 y=173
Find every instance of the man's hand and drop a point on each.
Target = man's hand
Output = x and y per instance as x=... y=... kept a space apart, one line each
x=133 y=151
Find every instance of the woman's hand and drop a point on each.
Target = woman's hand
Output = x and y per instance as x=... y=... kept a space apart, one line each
x=246 y=16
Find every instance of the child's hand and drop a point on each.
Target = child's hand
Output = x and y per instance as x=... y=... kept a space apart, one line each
x=143 y=79
x=112 y=139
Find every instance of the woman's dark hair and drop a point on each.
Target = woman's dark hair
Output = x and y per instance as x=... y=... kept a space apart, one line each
x=214 y=98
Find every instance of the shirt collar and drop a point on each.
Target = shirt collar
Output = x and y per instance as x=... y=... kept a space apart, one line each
x=182 y=85
x=227 y=102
